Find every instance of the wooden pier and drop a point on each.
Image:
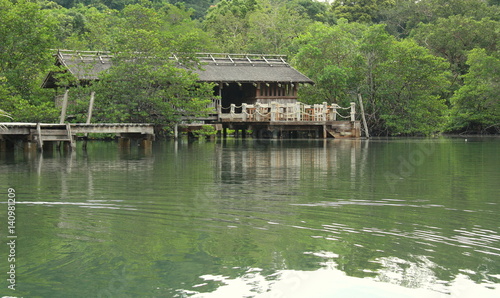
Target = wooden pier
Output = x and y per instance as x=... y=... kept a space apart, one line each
x=40 y=134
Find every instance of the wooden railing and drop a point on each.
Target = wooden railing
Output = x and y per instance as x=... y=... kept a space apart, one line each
x=292 y=112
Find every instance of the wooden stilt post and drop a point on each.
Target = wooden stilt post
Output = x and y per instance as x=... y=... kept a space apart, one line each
x=39 y=137
x=29 y=147
x=124 y=143
x=3 y=145
x=70 y=137
x=367 y=134
x=275 y=133
x=89 y=117
x=146 y=144
x=91 y=107
x=64 y=107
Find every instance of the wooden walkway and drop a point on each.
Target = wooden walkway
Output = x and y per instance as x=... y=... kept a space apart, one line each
x=51 y=132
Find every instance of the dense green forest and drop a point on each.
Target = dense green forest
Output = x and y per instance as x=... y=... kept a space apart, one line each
x=421 y=67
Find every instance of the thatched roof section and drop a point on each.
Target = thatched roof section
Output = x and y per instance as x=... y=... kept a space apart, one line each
x=224 y=68
x=248 y=69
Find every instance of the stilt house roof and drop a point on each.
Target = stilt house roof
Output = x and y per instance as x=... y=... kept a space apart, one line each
x=86 y=66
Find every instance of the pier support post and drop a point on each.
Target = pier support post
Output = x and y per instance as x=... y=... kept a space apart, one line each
x=124 y=143
x=48 y=146
x=29 y=147
x=367 y=134
x=146 y=144
x=67 y=146
x=3 y=145
x=275 y=133
x=89 y=117
x=64 y=107
x=91 y=107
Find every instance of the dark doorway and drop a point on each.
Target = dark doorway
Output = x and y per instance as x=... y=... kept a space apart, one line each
x=237 y=94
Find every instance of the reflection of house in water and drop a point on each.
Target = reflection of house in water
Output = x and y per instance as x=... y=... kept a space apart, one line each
x=288 y=166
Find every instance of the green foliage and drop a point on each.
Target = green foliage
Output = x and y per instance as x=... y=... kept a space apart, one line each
x=315 y=10
x=329 y=56
x=405 y=15
x=363 y=11
x=22 y=110
x=400 y=81
x=25 y=37
x=149 y=90
x=158 y=31
x=273 y=27
x=342 y=46
x=452 y=37
x=4 y=115
x=262 y=26
x=476 y=105
x=205 y=131
x=408 y=88
x=95 y=33
x=228 y=21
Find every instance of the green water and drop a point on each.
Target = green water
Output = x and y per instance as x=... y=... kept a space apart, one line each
x=378 y=218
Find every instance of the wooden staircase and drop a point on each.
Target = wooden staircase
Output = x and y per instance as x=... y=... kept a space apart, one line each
x=341 y=129
x=333 y=132
x=53 y=133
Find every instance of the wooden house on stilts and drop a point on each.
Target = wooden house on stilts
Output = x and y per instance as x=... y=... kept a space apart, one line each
x=254 y=92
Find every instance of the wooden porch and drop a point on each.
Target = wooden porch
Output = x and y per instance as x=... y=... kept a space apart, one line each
x=284 y=120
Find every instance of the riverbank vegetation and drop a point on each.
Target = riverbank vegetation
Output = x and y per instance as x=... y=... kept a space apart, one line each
x=421 y=67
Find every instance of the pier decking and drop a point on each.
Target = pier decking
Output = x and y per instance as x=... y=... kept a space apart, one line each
x=39 y=133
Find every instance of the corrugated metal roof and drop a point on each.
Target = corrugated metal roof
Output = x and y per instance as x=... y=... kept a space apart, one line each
x=86 y=66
